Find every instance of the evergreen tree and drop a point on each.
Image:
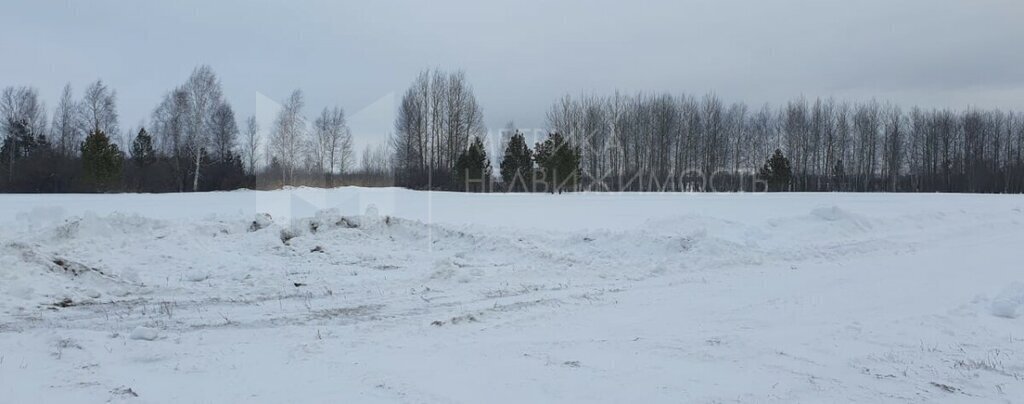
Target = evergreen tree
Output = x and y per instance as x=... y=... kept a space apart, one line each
x=473 y=169
x=41 y=171
x=224 y=174
x=559 y=160
x=101 y=160
x=143 y=158
x=143 y=154
x=29 y=161
x=517 y=164
x=41 y=144
x=19 y=143
x=776 y=172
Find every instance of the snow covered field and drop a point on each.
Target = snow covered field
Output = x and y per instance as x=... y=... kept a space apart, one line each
x=387 y=295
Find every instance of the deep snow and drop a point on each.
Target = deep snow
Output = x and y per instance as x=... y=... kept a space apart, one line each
x=385 y=295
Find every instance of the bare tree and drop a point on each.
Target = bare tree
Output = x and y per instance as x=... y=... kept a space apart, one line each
x=98 y=110
x=437 y=117
x=65 y=131
x=893 y=146
x=24 y=120
x=251 y=143
x=376 y=160
x=224 y=132
x=288 y=137
x=169 y=125
x=333 y=143
x=866 y=124
x=22 y=105
x=410 y=139
x=205 y=96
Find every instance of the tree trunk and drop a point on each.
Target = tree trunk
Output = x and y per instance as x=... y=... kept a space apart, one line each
x=195 y=178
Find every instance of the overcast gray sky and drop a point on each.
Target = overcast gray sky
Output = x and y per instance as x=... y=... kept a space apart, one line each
x=520 y=55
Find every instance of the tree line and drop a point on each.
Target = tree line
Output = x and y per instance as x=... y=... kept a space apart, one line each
x=192 y=142
x=643 y=142
x=622 y=142
x=662 y=142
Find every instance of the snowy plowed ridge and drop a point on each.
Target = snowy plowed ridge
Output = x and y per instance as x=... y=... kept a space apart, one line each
x=387 y=295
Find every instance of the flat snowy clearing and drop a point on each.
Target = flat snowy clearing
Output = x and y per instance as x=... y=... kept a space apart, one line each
x=387 y=295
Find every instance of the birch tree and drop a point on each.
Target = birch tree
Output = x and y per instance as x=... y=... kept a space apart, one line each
x=251 y=143
x=289 y=135
x=64 y=129
x=333 y=143
x=98 y=110
x=205 y=97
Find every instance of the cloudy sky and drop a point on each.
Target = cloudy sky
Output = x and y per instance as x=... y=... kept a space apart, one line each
x=520 y=55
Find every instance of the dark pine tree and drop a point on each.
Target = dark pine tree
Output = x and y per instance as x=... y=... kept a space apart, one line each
x=17 y=145
x=41 y=170
x=517 y=164
x=776 y=172
x=143 y=159
x=101 y=160
x=143 y=154
x=225 y=174
x=29 y=162
x=473 y=169
x=560 y=162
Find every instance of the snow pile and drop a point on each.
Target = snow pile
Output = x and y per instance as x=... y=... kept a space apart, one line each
x=32 y=278
x=262 y=221
x=144 y=333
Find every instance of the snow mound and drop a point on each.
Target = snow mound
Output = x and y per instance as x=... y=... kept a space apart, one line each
x=261 y=221
x=30 y=277
x=1010 y=302
x=92 y=226
x=197 y=276
x=144 y=334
